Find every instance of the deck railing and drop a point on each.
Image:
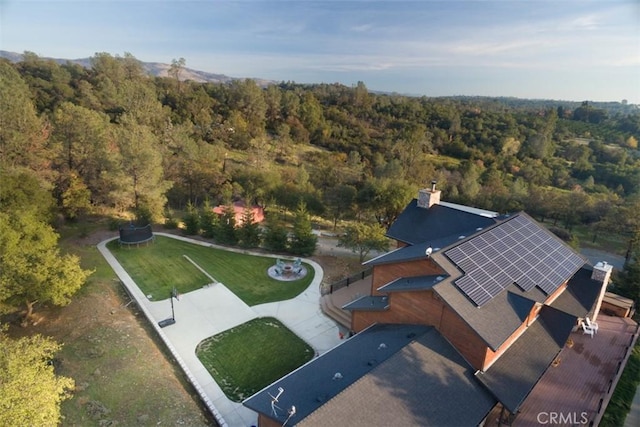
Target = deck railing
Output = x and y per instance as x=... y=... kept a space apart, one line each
x=329 y=289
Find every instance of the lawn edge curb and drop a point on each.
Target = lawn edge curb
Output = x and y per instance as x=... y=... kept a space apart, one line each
x=138 y=296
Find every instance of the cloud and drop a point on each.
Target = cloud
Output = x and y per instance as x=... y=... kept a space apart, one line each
x=586 y=22
x=362 y=28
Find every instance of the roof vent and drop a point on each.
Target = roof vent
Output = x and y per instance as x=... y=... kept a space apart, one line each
x=372 y=362
x=382 y=346
x=461 y=237
x=479 y=228
x=439 y=278
x=337 y=376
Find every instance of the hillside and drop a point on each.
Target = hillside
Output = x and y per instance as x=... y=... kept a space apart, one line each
x=157 y=69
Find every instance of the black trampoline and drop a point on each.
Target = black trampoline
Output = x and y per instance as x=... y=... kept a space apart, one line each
x=136 y=235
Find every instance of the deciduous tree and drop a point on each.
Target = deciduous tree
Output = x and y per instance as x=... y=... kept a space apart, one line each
x=363 y=238
x=30 y=391
x=32 y=269
x=340 y=201
x=21 y=191
x=76 y=197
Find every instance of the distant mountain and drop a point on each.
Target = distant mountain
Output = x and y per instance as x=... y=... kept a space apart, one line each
x=152 y=68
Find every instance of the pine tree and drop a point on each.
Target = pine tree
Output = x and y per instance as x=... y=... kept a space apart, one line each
x=249 y=231
x=209 y=220
x=226 y=230
x=303 y=241
x=191 y=221
x=276 y=237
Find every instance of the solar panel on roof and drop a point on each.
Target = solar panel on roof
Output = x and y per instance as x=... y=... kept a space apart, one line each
x=516 y=251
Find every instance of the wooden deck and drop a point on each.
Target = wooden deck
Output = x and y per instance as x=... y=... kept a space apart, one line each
x=331 y=304
x=578 y=389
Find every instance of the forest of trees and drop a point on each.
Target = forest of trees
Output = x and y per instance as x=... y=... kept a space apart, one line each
x=110 y=140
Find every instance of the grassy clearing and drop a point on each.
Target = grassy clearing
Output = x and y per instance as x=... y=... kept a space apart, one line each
x=158 y=267
x=249 y=357
x=116 y=360
x=609 y=242
x=622 y=398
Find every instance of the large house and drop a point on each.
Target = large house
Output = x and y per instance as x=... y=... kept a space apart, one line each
x=462 y=319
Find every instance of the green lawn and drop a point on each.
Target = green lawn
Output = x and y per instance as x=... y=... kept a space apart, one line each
x=249 y=357
x=158 y=267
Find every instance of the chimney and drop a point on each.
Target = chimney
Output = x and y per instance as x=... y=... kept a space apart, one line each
x=601 y=273
x=428 y=197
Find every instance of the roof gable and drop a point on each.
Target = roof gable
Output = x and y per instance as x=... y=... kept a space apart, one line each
x=497 y=320
x=514 y=375
x=581 y=294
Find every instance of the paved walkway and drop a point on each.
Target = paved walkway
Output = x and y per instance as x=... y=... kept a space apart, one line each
x=213 y=309
x=633 y=417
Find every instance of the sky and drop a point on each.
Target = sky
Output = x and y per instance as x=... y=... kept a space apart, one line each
x=572 y=50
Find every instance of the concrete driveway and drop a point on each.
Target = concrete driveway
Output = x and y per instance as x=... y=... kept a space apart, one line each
x=213 y=309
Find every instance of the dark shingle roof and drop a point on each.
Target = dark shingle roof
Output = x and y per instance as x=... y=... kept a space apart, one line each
x=495 y=321
x=427 y=383
x=368 y=303
x=412 y=252
x=580 y=295
x=405 y=253
x=313 y=384
x=417 y=225
x=512 y=377
x=417 y=283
